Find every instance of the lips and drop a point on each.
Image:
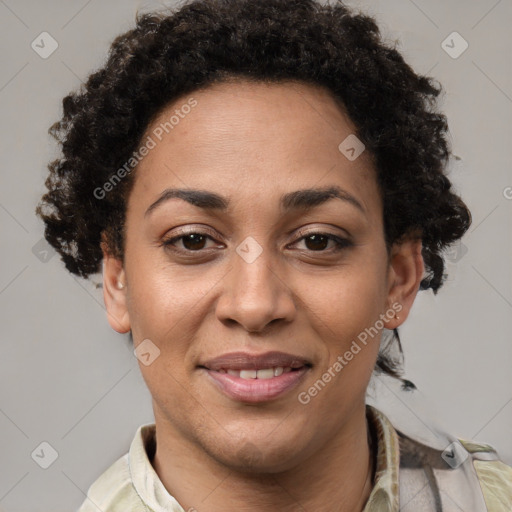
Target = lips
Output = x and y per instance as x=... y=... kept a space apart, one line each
x=253 y=378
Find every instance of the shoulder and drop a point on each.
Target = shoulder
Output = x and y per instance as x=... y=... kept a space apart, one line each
x=122 y=486
x=495 y=476
x=113 y=491
x=466 y=472
x=131 y=483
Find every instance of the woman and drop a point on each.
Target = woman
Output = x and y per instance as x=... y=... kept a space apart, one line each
x=263 y=184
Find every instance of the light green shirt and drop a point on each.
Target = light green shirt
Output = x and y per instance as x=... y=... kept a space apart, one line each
x=132 y=485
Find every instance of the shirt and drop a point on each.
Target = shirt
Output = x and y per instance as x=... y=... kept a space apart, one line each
x=408 y=477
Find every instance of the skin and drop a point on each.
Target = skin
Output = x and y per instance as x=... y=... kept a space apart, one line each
x=252 y=143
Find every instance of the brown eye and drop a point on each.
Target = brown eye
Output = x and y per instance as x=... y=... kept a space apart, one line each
x=191 y=242
x=318 y=242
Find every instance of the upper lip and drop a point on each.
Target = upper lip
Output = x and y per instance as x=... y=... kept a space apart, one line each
x=247 y=361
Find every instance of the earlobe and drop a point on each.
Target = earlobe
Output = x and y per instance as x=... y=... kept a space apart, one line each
x=114 y=293
x=405 y=275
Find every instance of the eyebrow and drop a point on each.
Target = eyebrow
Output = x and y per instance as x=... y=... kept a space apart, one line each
x=297 y=200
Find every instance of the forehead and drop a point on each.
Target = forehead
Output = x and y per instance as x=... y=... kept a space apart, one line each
x=245 y=138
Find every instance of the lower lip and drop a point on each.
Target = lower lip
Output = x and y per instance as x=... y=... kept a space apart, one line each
x=256 y=390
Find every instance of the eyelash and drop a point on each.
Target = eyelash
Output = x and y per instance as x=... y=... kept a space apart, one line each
x=341 y=243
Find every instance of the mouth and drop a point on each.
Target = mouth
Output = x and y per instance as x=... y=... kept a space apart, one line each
x=253 y=378
x=264 y=373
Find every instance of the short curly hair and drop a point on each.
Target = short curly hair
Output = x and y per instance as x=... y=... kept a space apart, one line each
x=175 y=52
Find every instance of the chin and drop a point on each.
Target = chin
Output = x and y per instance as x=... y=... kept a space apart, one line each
x=257 y=456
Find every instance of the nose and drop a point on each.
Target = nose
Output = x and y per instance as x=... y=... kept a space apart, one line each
x=254 y=294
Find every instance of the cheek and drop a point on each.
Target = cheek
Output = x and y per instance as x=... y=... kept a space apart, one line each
x=350 y=298
x=345 y=309
x=168 y=305
x=349 y=352
x=162 y=298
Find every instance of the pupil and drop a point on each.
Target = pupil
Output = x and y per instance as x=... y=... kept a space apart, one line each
x=315 y=239
x=195 y=239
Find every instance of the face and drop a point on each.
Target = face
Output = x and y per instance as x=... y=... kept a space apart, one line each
x=278 y=265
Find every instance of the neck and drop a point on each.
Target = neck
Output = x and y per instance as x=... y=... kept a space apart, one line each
x=339 y=477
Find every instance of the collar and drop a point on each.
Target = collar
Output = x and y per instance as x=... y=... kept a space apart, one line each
x=385 y=492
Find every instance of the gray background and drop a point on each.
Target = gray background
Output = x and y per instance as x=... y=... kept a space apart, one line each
x=69 y=380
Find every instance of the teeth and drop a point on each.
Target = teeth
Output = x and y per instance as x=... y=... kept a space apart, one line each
x=248 y=374
x=265 y=373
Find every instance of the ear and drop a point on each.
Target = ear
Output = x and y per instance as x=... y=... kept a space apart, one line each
x=406 y=270
x=114 y=292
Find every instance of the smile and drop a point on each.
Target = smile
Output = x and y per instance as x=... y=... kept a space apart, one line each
x=253 y=378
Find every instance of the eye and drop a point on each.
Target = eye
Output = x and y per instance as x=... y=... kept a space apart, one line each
x=318 y=242
x=191 y=242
